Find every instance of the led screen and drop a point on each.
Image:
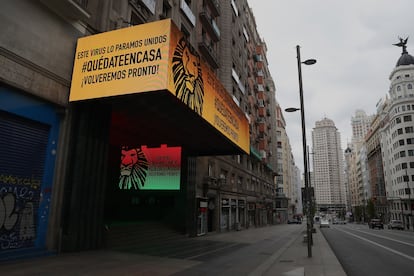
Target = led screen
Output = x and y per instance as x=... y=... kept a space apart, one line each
x=146 y=168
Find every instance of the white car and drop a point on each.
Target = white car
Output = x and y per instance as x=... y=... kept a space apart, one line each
x=324 y=223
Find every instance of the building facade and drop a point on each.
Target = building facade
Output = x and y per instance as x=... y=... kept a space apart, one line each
x=328 y=167
x=70 y=200
x=398 y=139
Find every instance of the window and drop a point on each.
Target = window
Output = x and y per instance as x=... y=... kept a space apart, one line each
x=409 y=129
x=407 y=118
x=398 y=120
x=400 y=131
x=410 y=152
x=402 y=153
x=401 y=142
x=166 y=9
x=410 y=86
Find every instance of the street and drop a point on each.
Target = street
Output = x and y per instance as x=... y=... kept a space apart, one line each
x=364 y=251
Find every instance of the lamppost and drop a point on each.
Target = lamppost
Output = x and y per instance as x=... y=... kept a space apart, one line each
x=408 y=191
x=305 y=159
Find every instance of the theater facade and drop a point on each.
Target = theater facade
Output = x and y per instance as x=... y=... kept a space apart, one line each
x=145 y=106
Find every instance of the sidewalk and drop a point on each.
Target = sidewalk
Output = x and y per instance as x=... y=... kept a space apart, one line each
x=289 y=260
x=294 y=260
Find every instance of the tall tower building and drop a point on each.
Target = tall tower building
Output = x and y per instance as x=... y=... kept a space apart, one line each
x=360 y=123
x=328 y=167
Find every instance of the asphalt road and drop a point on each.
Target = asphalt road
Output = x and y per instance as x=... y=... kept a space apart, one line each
x=363 y=251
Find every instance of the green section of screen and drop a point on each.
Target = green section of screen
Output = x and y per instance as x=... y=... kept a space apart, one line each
x=171 y=182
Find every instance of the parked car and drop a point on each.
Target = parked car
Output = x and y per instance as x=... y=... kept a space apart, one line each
x=324 y=223
x=376 y=223
x=396 y=224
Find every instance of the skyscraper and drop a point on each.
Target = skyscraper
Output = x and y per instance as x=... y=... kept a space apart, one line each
x=360 y=125
x=328 y=167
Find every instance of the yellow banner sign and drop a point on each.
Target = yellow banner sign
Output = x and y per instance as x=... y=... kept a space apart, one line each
x=125 y=61
x=152 y=57
x=194 y=83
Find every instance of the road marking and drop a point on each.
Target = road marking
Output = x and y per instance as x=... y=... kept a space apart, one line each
x=386 y=238
x=379 y=245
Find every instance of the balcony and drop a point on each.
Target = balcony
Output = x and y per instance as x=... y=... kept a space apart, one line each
x=261 y=95
x=210 y=25
x=214 y=7
x=262 y=145
x=262 y=127
x=262 y=111
x=207 y=51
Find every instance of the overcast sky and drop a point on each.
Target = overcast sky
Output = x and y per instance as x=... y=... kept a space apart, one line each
x=352 y=42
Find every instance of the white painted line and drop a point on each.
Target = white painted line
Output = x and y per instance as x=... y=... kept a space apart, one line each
x=386 y=238
x=379 y=245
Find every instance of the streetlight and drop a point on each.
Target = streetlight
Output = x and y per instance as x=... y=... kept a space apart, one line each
x=305 y=158
x=408 y=191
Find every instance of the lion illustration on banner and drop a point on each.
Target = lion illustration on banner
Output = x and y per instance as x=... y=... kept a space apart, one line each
x=134 y=168
x=187 y=75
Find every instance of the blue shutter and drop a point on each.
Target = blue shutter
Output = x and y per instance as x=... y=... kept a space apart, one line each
x=23 y=145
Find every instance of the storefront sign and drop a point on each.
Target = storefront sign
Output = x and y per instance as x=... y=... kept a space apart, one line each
x=155 y=57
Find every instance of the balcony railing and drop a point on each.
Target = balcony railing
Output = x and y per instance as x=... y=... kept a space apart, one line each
x=210 y=25
x=207 y=51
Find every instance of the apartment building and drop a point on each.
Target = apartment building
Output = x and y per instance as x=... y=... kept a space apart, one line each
x=69 y=192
